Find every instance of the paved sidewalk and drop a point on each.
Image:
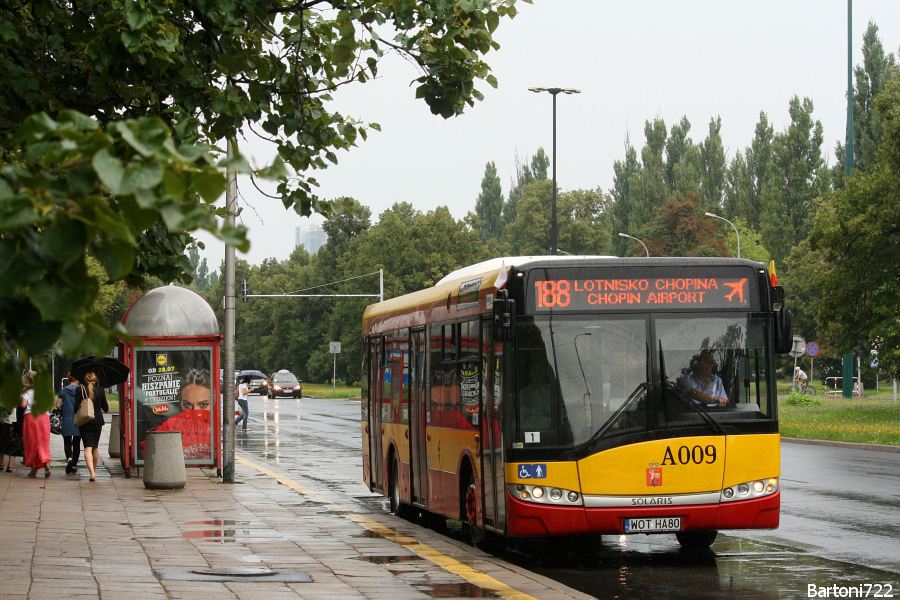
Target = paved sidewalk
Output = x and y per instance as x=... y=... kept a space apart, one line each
x=65 y=537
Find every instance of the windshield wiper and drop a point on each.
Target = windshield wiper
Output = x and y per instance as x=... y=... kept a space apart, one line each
x=582 y=449
x=682 y=396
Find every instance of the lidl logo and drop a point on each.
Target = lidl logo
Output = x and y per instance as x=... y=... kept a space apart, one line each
x=161 y=360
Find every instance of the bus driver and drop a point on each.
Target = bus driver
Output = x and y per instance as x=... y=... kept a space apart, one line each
x=702 y=385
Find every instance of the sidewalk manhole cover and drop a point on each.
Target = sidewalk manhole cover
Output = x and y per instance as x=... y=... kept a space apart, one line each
x=234 y=574
x=237 y=572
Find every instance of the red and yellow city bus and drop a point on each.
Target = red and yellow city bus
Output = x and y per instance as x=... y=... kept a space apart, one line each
x=550 y=396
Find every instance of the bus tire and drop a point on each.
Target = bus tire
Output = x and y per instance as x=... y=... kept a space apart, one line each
x=696 y=541
x=397 y=507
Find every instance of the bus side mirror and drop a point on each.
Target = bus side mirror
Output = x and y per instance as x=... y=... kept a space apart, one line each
x=784 y=331
x=504 y=311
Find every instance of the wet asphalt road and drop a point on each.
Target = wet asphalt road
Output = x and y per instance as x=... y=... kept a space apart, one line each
x=840 y=521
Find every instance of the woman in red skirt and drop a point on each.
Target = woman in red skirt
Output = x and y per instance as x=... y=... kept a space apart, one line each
x=35 y=431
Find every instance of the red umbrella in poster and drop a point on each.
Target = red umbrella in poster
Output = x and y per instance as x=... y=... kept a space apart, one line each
x=194 y=426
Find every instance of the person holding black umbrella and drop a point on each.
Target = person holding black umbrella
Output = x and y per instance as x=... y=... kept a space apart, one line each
x=90 y=431
x=65 y=401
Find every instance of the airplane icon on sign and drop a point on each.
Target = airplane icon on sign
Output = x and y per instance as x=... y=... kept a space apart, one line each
x=736 y=288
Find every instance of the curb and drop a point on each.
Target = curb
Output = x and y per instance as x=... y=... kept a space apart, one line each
x=835 y=444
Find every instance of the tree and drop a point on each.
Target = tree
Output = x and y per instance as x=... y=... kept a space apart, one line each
x=524 y=176
x=583 y=222
x=142 y=89
x=712 y=177
x=680 y=229
x=801 y=178
x=626 y=196
x=683 y=160
x=653 y=173
x=857 y=231
x=489 y=205
x=871 y=77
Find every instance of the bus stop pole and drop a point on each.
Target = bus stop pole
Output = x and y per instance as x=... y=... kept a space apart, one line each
x=228 y=363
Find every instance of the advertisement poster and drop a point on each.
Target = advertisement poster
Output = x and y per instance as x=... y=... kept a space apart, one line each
x=173 y=392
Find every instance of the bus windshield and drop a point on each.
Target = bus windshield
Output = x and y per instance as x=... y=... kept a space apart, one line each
x=585 y=378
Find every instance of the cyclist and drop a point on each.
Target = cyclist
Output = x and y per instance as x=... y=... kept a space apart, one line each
x=801 y=381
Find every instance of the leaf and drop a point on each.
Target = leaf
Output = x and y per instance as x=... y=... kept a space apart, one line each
x=64 y=240
x=210 y=185
x=44 y=399
x=60 y=300
x=117 y=258
x=146 y=135
x=136 y=14
x=109 y=169
x=141 y=176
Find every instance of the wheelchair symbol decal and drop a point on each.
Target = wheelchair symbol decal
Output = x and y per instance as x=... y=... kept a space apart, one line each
x=533 y=471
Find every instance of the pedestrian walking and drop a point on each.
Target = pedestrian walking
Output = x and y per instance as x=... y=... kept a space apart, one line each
x=35 y=430
x=243 y=392
x=65 y=401
x=90 y=431
x=11 y=440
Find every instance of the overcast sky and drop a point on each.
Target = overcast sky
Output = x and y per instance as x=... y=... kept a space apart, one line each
x=632 y=61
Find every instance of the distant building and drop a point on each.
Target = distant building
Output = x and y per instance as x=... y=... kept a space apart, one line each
x=310 y=236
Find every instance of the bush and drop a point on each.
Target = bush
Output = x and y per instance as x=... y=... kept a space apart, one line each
x=797 y=398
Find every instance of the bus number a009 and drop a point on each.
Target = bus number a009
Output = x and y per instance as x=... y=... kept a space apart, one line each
x=697 y=455
x=553 y=293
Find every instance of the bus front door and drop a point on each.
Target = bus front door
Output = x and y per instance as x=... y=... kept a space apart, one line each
x=418 y=460
x=491 y=444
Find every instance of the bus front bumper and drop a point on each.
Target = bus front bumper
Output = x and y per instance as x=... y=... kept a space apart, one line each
x=526 y=519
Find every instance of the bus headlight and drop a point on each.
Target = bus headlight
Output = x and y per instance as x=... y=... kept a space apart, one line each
x=750 y=489
x=545 y=495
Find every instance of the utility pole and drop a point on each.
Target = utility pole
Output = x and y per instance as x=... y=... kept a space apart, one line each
x=228 y=361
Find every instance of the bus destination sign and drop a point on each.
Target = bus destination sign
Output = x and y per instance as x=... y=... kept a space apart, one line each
x=665 y=293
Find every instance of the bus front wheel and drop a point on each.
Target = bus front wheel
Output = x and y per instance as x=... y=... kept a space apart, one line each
x=696 y=541
x=394 y=487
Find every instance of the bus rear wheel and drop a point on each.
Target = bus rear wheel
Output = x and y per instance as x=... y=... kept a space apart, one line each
x=696 y=541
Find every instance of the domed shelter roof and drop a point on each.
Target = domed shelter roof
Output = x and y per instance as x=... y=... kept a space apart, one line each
x=171 y=311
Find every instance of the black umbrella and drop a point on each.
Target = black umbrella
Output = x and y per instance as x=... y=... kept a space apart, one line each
x=110 y=371
x=252 y=373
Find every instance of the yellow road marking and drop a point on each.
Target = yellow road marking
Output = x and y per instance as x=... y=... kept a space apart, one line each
x=447 y=563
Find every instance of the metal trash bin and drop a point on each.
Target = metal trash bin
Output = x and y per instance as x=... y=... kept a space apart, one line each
x=164 y=461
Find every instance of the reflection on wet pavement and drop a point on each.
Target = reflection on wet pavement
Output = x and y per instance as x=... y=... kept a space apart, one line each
x=320 y=440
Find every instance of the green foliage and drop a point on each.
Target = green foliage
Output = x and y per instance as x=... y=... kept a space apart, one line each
x=80 y=206
x=680 y=229
x=857 y=232
x=870 y=77
x=583 y=222
x=140 y=90
x=801 y=178
x=489 y=205
x=798 y=398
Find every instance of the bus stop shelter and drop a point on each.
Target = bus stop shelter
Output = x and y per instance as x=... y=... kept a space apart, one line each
x=174 y=383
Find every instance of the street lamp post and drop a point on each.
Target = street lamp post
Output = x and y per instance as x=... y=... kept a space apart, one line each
x=625 y=235
x=553 y=91
x=738 y=235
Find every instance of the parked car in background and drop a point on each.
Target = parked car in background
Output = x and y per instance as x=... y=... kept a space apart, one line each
x=283 y=383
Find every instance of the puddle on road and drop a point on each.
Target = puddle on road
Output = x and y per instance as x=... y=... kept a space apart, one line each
x=656 y=567
x=454 y=590
x=389 y=559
